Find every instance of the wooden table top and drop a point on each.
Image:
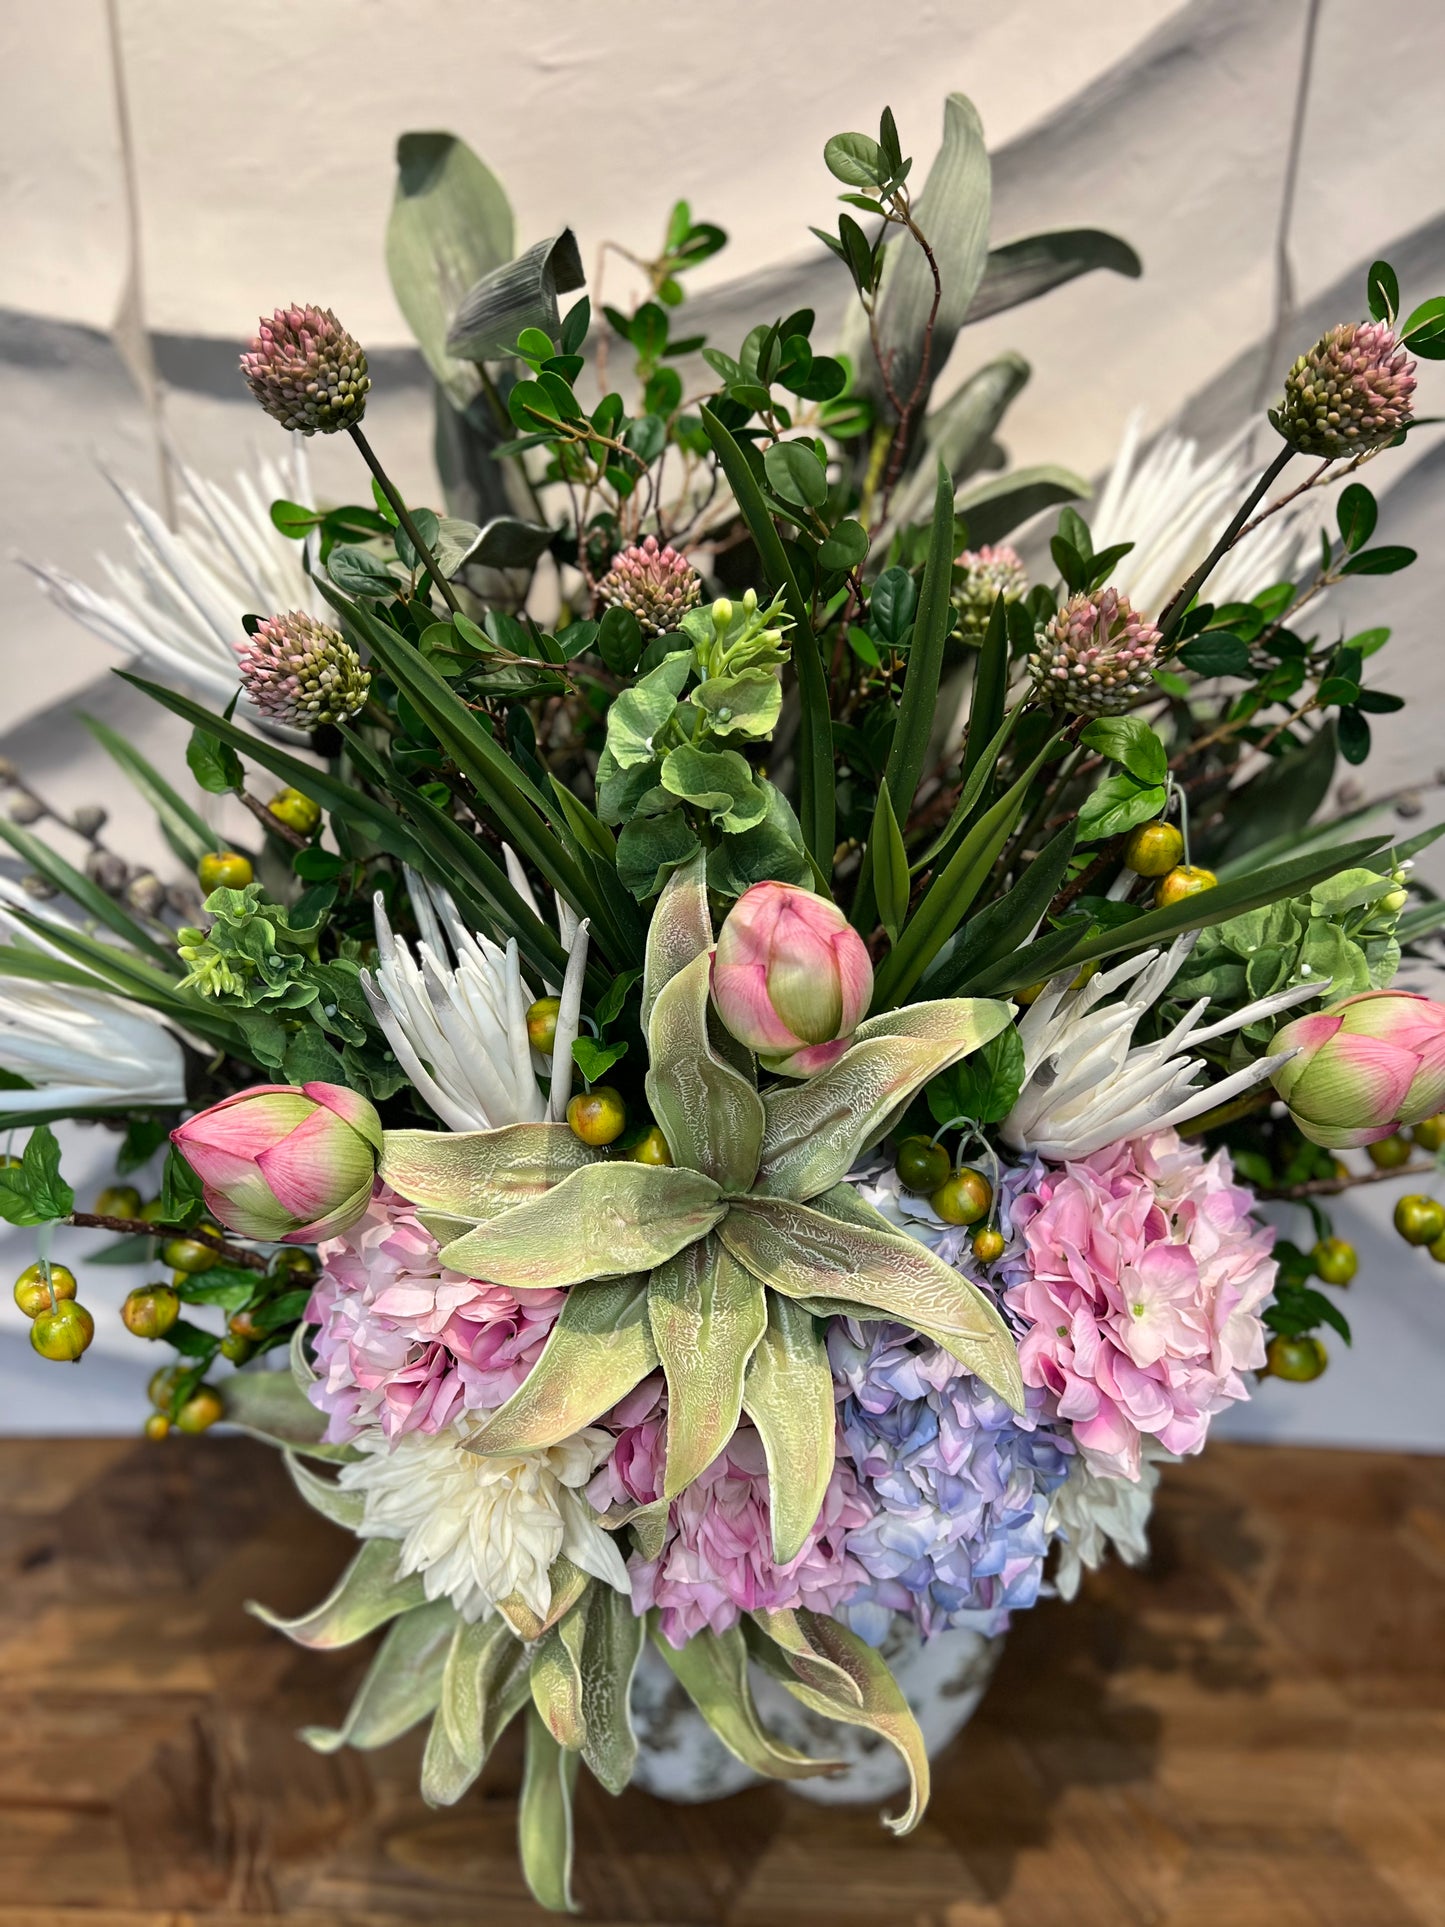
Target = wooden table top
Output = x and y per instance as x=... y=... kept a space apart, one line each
x=1249 y=1734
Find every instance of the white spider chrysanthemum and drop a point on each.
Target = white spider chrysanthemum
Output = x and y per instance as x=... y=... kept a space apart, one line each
x=480 y=1528
x=455 y=1013
x=1173 y=504
x=1091 y=1511
x=1086 y=1085
x=177 y=603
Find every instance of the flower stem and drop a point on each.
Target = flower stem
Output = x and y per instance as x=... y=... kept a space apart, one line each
x=144 y=1228
x=1178 y=604
x=403 y=515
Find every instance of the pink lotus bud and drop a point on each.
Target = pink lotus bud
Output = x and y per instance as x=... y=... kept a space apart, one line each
x=1373 y=1063
x=790 y=977
x=285 y=1164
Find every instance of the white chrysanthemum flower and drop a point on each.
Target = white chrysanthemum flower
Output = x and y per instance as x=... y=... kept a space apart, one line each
x=456 y=1012
x=177 y=603
x=1086 y=1085
x=1092 y=1511
x=1174 y=503
x=481 y=1528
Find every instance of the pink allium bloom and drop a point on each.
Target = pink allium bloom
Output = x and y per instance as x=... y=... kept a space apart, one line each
x=281 y=1162
x=791 y=978
x=657 y=584
x=1364 y=1068
x=1140 y=1281
x=717 y=1562
x=405 y=1345
x=306 y=371
x=1096 y=656
x=301 y=672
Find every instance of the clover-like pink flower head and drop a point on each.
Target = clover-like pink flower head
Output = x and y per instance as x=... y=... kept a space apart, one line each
x=791 y=978
x=284 y=1163
x=1363 y=1069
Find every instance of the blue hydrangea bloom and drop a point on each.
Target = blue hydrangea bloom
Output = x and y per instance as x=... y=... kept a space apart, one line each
x=961 y=1484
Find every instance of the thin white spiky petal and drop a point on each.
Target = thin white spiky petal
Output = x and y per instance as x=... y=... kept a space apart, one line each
x=569 y=1013
x=84 y=1049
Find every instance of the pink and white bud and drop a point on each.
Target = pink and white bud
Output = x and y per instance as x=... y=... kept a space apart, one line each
x=1350 y=392
x=1096 y=657
x=302 y=672
x=791 y=978
x=1362 y=1070
x=657 y=584
x=286 y=1164
x=306 y=371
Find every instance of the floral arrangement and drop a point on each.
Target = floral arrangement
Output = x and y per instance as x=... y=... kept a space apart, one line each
x=724 y=1100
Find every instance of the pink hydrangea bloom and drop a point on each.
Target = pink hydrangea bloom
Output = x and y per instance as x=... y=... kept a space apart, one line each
x=1140 y=1280
x=406 y=1345
x=717 y=1561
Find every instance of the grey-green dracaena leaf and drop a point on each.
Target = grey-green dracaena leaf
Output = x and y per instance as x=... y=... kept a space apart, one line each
x=713 y=1671
x=681 y=929
x=367 y=1594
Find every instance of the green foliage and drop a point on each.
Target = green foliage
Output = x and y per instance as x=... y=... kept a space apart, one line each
x=33 y=1191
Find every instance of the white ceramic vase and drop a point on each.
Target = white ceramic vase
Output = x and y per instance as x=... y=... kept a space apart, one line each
x=681 y=1758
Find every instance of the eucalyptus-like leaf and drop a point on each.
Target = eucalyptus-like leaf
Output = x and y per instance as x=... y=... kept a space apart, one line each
x=272 y=1406
x=544 y=1817
x=681 y=929
x=816 y=1130
x=599 y=1348
x=872 y=1697
x=600 y=1222
x=712 y=1669
x=480 y=1174
x=707 y=1314
x=556 y=1676
x=368 y=1593
x=610 y=1653
x=402 y=1684
x=710 y=1114
x=804 y=1252
x=325 y=1496
x=788 y=1395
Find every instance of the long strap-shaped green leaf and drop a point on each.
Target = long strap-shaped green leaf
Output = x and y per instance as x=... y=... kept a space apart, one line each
x=817 y=808
x=519 y=807
x=91 y=898
x=180 y=822
x=919 y=705
x=1161 y=926
x=952 y=891
x=402 y=1685
x=345 y=800
x=599 y=1348
x=609 y=1659
x=997 y=932
x=370 y=1592
x=990 y=682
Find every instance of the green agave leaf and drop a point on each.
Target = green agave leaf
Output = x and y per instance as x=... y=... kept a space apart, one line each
x=556 y=1676
x=610 y=1653
x=544 y=1817
x=995 y=508
x=402 y=1686
x=875 y=1699
x=599 y=1348
x=710 y=1114
x=450 y=224
x=91 y=898
x=788 y=1395
x=707 y=1314
x=185 y=829
x=817 y=807
x=948 y=898
x=681 y=929
x=600 y=1222
x=1023 y=270
x=325 y=1496
x=806 y=1251
x=367 y=1594
x=712 y=1669
x=959 y=430
x=480 y=1174
x=817 y=1130
x=445 y=1775
x=271 y=1406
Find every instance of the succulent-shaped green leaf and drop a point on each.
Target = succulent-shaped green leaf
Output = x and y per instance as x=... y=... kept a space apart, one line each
x=716 y=1266
x=712 y=1669
x=544 y=1817
x=402 y=1686
x=369 y=1593
x=609 y=1659
x=556 y=1676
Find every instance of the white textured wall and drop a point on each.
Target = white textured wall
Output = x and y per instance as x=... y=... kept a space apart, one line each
x=260 y=170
